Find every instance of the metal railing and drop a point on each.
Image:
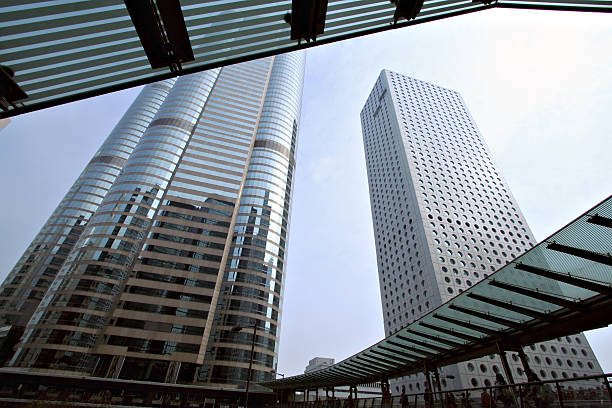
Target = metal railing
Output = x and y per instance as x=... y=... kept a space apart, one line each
x=589 y=391
x=19 y=389
x=27 y=389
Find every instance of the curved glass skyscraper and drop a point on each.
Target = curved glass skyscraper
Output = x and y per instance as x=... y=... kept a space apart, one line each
x=186 y=243
x=27 y=283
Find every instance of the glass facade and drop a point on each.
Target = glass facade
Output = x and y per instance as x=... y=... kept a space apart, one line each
x=252 y=285
x=188 y=241
x=27 y=283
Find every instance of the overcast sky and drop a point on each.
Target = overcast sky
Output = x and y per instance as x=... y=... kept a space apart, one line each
x=538 y=84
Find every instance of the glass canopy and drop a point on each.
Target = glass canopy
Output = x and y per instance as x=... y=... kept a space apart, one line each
x=561 y=286
x=65 y=50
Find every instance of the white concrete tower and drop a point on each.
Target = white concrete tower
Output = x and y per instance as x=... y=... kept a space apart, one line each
x=444 y=218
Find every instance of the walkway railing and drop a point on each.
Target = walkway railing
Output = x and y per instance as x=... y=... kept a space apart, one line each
x=591 y=391
x=38 y=390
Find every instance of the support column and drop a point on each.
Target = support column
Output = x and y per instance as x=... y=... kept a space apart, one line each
x=608 y=387
x=429 y=388
x=438 y=384
x=524 y=361
x=559 y=394
x=384 y=390
x=516 y=394
x=505 y=365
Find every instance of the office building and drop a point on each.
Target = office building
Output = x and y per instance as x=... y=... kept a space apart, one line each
x=362 y=390
x=444 y=218
x=28 y=281
x=169 y=251
x=318 y=363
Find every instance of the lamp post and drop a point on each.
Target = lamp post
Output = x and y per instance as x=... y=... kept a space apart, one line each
x=236 y=330
x=274 y=372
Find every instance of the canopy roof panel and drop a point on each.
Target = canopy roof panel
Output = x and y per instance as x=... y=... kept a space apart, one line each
x=66 y=50
x=560 y=287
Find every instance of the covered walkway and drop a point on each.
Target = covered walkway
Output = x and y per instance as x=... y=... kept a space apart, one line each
x=53 y=52
x=561 y=286
x=592 y=391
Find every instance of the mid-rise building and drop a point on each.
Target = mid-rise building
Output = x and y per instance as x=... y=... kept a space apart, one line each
x=168 y=254
x=444 y=218
x=362 y=390
x=318 y=363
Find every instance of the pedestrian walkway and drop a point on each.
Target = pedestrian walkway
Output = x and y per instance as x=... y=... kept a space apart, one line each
x=561 y=286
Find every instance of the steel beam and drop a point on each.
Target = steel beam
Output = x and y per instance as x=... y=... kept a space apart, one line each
x=369 y=368
x=201 y=66
x=599 y=220
x=505 y=365
x=423 y=344
x=403 y=361
x=436 y=338
x=535 y=294
x=566 y=278
x=605 y=259
x=382 y=360
x=385 y=366
x=455 y=333
x=345 y=371
x=489 y=317
x=406 y=347
x=408 y=356
x=467 y=325
x=161 y=28
x=523 y=357
x=510 y=306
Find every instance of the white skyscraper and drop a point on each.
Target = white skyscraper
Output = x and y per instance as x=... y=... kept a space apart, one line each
x=444 y=218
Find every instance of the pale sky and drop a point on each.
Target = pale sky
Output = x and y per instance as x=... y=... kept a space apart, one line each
x=538 y=84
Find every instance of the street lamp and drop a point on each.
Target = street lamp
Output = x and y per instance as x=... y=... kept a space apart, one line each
x=274 y=372
x=236 y=330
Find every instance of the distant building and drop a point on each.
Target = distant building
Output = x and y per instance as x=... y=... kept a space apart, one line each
x=444 y=219
x=4 y=123
x=318 y=363
x=370 y=390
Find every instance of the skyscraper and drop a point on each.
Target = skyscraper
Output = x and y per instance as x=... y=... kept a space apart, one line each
x=444 y=219
x=170 y=248
x=28 y=281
